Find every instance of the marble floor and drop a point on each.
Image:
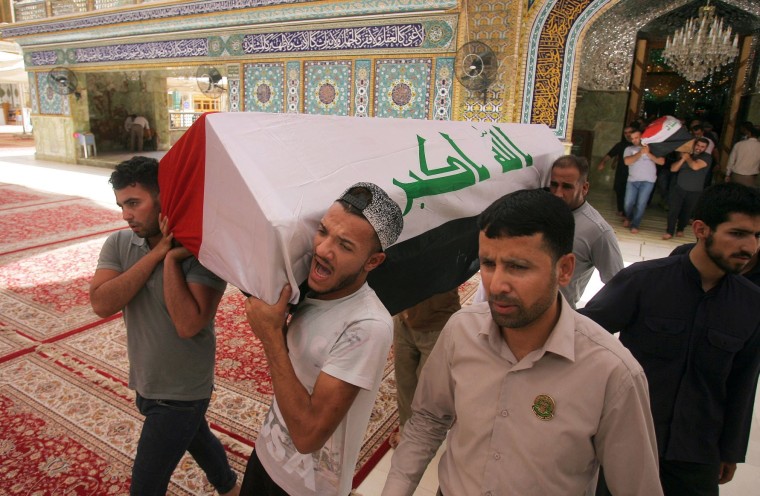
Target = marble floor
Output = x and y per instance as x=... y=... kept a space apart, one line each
x=18 y=166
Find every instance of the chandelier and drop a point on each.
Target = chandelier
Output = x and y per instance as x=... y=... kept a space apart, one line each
x=701 y=46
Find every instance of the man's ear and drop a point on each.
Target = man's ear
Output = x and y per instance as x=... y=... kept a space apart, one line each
x=374 y=261
x=565 y=268
x=701 y=230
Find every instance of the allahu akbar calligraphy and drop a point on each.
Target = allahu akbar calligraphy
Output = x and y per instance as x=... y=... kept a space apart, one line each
x=461 y=171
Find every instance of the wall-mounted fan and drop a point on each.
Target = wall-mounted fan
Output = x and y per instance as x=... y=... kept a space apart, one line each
x=476 y=67
x=63 y=81
x=209 y=81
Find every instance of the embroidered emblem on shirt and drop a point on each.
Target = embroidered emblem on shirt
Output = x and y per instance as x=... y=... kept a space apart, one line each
x=544 y=406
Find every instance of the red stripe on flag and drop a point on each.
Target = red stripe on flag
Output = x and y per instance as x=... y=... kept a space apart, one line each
x=661 y=130
x=181 y=179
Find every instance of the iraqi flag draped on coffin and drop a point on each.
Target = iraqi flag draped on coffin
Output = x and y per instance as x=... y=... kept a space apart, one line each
x=666 y=135
x=245 y=192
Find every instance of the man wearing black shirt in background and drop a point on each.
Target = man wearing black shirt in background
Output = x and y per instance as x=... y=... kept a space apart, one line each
x=621 y=171
x=689 y=321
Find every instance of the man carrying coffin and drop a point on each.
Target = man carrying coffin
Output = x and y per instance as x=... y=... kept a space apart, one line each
x=326 y=363
x=169 y=301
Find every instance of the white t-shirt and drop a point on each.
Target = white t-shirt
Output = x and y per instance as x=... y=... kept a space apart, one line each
x=644 y=169
x=349 y=339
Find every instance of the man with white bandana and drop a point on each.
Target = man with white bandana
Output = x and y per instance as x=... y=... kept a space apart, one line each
x=327 y=361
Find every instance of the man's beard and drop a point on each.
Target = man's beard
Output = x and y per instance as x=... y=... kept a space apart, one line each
x=524 y=316
x=722 y=262
x=345 y=281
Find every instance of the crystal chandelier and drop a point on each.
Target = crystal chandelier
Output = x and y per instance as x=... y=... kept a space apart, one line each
x=702 y=46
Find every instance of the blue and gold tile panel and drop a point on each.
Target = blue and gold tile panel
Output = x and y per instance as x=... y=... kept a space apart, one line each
x=264 y=87
x=362 y=78
x=327 y=87
x=293 y=81
x=51 y=102
x=402 y=88
x=444 y=75
x=233 y=87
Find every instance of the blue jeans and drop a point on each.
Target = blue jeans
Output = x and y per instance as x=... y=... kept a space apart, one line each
x=636 y=197
x=171 y=428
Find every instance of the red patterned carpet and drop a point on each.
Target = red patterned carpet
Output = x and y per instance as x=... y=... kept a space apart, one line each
x=69 y=424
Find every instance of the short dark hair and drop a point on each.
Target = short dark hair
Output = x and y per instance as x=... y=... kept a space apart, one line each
x=579 y=163
x=136 y=170
x=703 y=140
x=528 y=212
x=719 y=201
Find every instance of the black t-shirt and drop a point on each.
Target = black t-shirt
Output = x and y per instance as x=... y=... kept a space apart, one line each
x=694 y=180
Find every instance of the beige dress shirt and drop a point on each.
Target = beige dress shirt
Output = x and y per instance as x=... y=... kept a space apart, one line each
x=504 y=435
x=744 y=158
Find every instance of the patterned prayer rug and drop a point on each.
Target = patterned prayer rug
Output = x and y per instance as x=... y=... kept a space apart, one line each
x=14 y=196
x=65 y=430
x=43 y=224
x=44 y=292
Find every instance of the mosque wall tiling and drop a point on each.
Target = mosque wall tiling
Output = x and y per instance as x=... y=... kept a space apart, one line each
x=293 y=72
x=33 y=92
x=444 y=74
x=233 y=87
x=190 y=16
x=327 y=87
x=496 y=23
x=362 y=78
x=51 y=102
x=378 y=36
x=550 y=64
x=402 y=88
x=265 y=87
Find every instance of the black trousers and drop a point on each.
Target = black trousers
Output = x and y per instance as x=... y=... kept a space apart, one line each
x=689 y=479
x=681 y=204
x=256 y=481
x=679 y=479
x=619 y=184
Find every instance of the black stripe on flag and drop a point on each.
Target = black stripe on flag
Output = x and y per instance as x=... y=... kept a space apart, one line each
x=436 y=261
x=674 y=141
